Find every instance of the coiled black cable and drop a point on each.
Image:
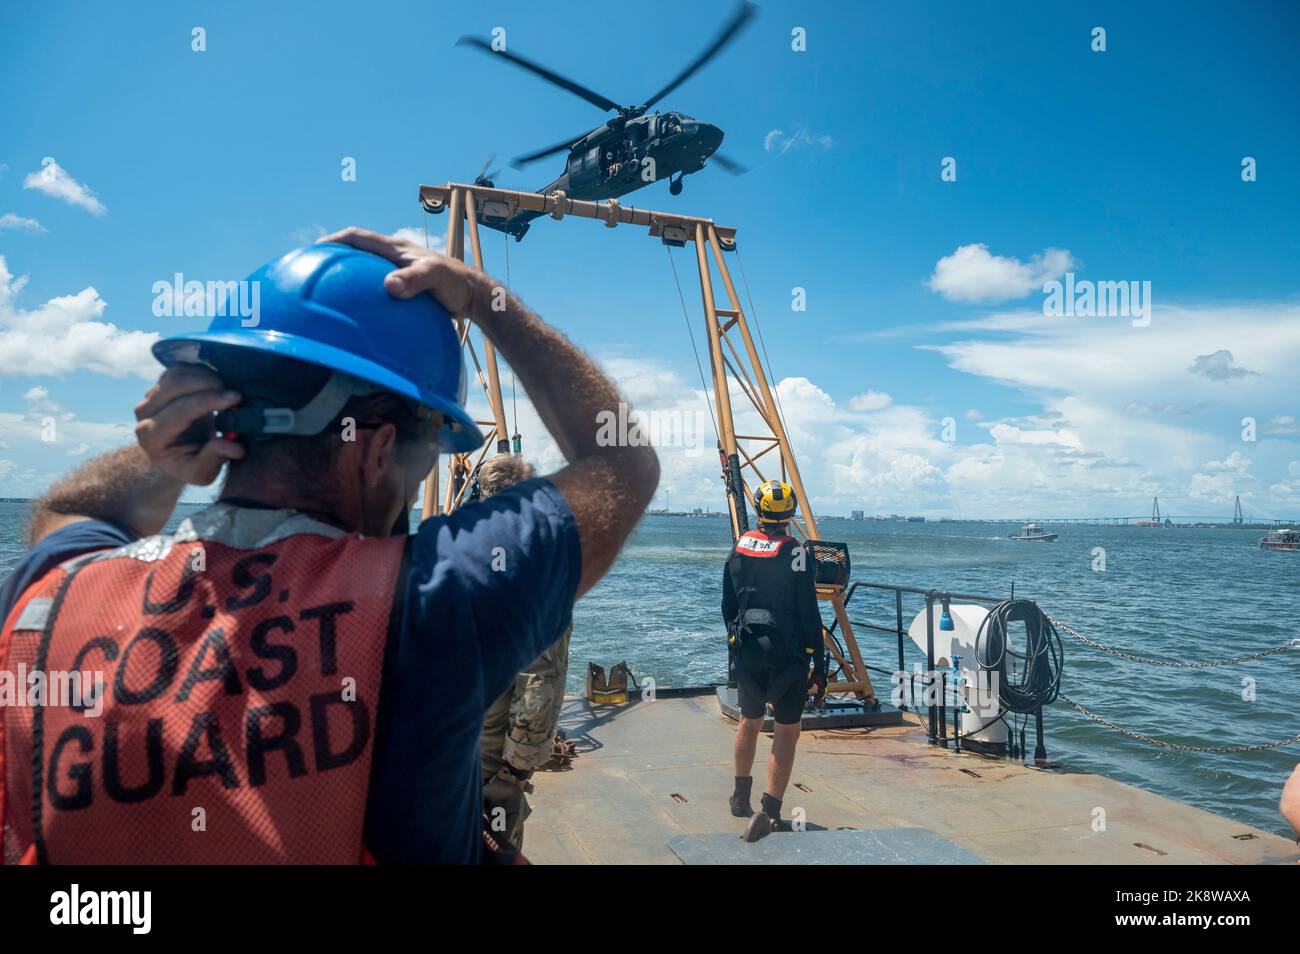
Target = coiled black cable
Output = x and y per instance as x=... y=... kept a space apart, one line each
x=1028 y=680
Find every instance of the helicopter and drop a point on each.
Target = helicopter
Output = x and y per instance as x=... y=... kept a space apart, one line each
x=631 y=149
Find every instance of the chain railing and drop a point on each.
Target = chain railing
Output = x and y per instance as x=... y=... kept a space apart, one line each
x=940 y=736
x=1173 y=663
x=1179 y=746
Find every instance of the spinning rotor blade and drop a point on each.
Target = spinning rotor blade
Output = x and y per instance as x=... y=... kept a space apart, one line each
x=519 y=161
x=743 y=13
x=730 y=165
x=576 y=88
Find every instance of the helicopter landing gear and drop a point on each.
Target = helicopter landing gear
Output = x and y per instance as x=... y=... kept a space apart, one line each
x=675 y=186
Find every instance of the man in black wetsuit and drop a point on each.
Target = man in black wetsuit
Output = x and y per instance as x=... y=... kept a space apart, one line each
x=769 y=603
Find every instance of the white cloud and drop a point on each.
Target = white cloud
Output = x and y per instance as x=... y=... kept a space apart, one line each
x=1085 y=449
x=39 y=402
x=17 y=222
x=1281 y=424
x=436 y=240
x=309 y=233
x=776 y=141
x=1010 y=434
x=1138 y=407
x=1219 y=366
x=1120 y=408
x=971 y=274
x=1144 y=365
x=1083 y=453
x=44 y=435
x=53 y=180
x=1288 y=491
x=65 y=334
x=1221 y=481
x=893 y=460
x=32 y=425
x=870 y=401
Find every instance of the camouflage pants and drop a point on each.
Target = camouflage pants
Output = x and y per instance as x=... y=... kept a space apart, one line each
x=518 y=729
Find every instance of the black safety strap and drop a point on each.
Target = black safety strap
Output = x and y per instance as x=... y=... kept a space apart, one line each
x=38 y=714
x=388 y=681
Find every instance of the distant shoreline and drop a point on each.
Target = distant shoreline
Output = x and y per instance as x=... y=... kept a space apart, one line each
x=1084 y=521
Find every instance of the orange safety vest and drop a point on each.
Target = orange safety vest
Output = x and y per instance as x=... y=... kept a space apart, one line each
x=241 y=662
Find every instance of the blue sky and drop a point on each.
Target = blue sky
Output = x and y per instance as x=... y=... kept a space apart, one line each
x=1115 y=165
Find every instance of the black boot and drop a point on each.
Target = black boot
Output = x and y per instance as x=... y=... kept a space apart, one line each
x=766 y=821
x=740 y=797
x=772 y=809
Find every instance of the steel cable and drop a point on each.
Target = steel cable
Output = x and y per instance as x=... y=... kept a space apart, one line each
x=687 y=318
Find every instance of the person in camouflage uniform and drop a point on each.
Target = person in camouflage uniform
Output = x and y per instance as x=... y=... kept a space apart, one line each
x=519 y=727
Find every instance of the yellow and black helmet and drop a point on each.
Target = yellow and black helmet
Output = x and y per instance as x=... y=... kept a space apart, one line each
x=774 y=501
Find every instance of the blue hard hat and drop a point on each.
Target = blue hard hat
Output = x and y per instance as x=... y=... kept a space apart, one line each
x=326 y=304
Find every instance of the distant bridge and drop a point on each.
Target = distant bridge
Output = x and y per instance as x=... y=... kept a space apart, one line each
x=1238 y=519
x=1255 y=523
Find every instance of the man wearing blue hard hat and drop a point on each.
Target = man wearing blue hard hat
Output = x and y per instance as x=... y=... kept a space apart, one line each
x=291 y=676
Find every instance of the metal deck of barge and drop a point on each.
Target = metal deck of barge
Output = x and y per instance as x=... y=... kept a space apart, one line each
x=651 y=781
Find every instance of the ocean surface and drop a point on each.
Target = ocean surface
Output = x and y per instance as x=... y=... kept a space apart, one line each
x=1182 y=594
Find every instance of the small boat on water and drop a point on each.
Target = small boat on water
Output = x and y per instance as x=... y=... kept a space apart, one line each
x=1033 y=532
x=1281 y=540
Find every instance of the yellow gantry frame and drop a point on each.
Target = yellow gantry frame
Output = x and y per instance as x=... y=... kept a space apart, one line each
x=461 y=466
x=728 y=363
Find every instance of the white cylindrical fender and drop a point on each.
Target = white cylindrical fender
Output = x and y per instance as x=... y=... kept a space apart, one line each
x=981 y=694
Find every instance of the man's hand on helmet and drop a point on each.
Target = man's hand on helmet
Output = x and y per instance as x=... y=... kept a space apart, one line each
x=459 y=288
x=175 y=428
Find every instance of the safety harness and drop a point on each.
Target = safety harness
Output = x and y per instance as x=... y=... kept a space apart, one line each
x=754 y=628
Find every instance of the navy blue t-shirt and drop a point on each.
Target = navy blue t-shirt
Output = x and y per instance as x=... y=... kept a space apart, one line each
x=489 y=587
x=61 y=545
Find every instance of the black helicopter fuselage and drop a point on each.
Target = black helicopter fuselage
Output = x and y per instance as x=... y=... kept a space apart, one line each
x=623 y=156
x=633 y=148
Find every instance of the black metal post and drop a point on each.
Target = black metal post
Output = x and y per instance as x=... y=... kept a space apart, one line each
x=1040 y=750
x=956 y=707
x=902 y=666
x=929 y=659
x=943 y=709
